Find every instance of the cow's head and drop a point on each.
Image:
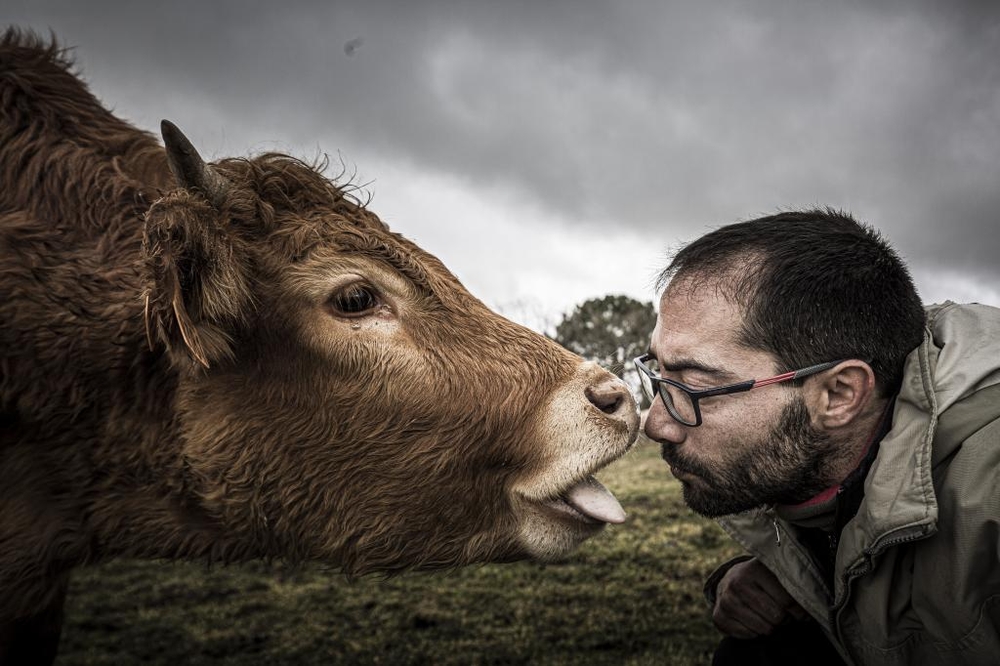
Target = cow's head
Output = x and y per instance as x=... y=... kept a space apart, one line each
x=342 y=397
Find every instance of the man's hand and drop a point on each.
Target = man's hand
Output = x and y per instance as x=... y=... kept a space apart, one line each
x=751 y=602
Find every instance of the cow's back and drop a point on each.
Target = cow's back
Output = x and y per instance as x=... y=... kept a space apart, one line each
x=74 y=183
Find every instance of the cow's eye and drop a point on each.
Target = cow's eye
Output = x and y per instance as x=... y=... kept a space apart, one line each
x=354 y=300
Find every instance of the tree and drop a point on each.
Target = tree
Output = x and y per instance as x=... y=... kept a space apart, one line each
x=611 y=331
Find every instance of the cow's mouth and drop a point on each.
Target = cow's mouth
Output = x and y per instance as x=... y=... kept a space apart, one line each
x=588 y=501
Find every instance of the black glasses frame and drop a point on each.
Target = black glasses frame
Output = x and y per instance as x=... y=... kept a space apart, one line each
x=697 y=394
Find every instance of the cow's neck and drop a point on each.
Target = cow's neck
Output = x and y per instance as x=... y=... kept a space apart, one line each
x=145 y=507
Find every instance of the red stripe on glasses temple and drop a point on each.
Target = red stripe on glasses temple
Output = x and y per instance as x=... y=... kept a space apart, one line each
x=774 y=380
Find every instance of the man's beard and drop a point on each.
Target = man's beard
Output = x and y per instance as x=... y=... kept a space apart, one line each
x=786 y=466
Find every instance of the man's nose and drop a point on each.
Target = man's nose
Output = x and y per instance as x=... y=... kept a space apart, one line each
x=660 y=426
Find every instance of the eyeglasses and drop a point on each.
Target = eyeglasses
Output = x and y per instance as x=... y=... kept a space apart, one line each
x=682 y=400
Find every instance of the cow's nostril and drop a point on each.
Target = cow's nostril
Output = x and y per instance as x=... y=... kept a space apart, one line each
x=607 y=396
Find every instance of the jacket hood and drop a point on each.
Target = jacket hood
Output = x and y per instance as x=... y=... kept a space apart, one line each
x=966 y=344
x=957 y=365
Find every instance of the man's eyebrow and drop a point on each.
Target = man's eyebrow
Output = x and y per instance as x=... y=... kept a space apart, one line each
x=681 y=364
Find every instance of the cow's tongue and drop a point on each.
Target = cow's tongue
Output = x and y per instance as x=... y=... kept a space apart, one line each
x=592 y=499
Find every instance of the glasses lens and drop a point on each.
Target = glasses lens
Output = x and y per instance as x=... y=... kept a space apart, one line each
x=678 y=403
x=646 y=383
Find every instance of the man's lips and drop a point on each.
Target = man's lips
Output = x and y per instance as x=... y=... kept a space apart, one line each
x=680 y=471
x=681 y=474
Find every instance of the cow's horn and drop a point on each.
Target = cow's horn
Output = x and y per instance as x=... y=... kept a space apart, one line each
x=188 y=167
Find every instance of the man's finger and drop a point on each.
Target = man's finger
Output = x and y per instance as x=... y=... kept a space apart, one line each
x=731 y=626
x=750 y=595
x=753 y=611
x=798 y=612
x=768 y=583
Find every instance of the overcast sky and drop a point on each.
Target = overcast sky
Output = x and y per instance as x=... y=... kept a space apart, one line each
x=551 y=152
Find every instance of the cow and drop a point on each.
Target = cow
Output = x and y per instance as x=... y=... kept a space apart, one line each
x=238 y=360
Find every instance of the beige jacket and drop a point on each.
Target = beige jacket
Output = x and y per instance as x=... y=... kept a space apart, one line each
x=917 y=577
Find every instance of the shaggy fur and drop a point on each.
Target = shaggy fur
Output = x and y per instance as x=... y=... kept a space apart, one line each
x=171 y=384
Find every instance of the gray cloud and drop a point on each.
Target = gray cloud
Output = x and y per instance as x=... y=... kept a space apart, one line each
x=665 y=118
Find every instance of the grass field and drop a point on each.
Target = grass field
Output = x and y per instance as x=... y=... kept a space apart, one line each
x=632 y=595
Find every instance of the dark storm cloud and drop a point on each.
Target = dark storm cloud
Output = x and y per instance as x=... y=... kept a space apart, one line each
x=666 y=118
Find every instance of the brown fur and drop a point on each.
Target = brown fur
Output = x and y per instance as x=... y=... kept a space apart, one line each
x=171 y=386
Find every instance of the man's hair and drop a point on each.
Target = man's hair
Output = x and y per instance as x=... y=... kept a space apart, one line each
x=813 y=286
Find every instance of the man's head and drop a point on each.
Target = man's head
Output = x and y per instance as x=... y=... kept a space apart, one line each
x=769 y=296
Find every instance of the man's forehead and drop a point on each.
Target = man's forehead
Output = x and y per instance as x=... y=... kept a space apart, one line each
x=695 y=323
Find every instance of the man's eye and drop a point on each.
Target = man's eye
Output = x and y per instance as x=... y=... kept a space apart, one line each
x=354 y=300
x=694 y=380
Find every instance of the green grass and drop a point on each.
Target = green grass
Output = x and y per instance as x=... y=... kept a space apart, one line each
x=631 y=595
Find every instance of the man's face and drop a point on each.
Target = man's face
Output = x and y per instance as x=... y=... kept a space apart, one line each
x=753 y=448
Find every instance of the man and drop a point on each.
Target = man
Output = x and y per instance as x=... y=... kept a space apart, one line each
x=860 y=470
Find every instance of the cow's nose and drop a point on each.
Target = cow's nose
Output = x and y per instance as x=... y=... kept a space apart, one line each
x=610 y=396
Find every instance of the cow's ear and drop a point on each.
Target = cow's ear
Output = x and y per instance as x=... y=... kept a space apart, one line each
x=198 y=288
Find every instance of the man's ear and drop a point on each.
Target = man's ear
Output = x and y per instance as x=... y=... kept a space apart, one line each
x=841 y=394
x=198 y=273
